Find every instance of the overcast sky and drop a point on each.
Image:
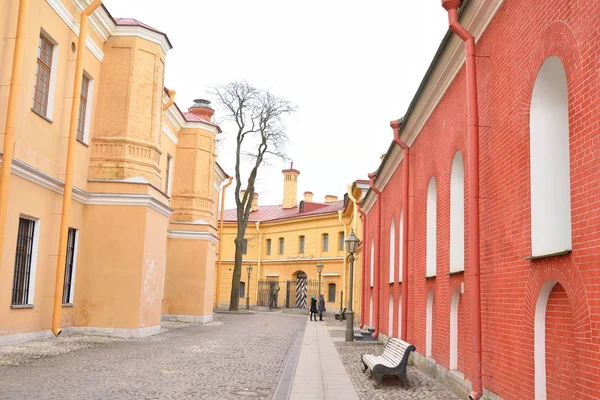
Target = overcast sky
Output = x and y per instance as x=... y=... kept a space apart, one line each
x=349 y=66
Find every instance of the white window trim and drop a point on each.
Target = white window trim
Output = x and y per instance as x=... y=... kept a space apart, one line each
x=75 y=250
x=431 y=227
x=372 y=260
x=392 y=250
x=53 y=73
x=34 y=256
x=88 y=108
x=170 y=177
x=401 y=244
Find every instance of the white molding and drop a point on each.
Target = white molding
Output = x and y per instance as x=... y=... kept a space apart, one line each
x=331 y=274
x=19 y=338
x=170 y=134
x=144 y=33
x=114 y=332
x=100 y=21
x=292 y=260
x=271 y=275
x=476 y=19
x=44 y=180
x=194 y=235
x=191 y=319
x=73 y=24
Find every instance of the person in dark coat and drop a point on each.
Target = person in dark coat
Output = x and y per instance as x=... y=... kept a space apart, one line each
x=321 y=307
x=313 y=308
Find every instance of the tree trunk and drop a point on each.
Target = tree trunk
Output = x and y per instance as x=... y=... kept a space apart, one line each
x=234 y=299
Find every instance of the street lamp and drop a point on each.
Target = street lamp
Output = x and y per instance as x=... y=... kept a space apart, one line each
x=248 y=288
x=320 y=270
x=352 y=242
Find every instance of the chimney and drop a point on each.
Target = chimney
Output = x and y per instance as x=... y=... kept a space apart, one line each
x=308 y=196
x=330 y=198
x=254 y=202
x=290 y=187
x=202 y=109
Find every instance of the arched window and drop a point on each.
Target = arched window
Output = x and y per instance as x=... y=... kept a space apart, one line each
x=268 y=246
x=549 y=162
x=431 y=244
x=391 y=316
x=457 y=214
x=281 y=245
x=372 y=259
x=392 y=250
x=429 y=325
x=331 y=293
x=325 y=242
x=454 y=330
x=399 y=319
x=401 y=245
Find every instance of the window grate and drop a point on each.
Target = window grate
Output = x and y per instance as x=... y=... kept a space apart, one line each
x=69 y=267
x=24 y=252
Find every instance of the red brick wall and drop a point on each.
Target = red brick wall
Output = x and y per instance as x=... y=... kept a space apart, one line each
x=518 y=40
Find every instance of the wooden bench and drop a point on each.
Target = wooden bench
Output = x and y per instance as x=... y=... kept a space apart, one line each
x=392 y=361
x=341 y=316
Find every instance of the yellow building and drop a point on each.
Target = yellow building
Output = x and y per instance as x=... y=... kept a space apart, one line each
x=284 y=243
x=146 y=183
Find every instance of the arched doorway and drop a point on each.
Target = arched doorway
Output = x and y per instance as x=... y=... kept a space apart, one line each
x=301 y=288
x=554 y=348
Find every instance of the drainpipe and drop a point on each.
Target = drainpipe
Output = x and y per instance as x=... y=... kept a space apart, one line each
x=473 y=131
x=171 y=100
x=66 y=206
x=396 y=127
x=354 y=228
x=220 y=256
x=364 y=270
x=11 y=116
x=345 y=255
x=259 y=258
x=377 y=284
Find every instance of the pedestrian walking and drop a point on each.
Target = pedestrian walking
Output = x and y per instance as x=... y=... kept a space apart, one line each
x=321 y=307
x=313 y=308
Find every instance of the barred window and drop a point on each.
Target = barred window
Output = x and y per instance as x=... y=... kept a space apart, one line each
x=69 y=266
x=42 y=75
x=23 y=257
x=83 y=100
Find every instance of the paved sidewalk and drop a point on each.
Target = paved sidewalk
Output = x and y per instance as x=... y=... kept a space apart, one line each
x=320 y=373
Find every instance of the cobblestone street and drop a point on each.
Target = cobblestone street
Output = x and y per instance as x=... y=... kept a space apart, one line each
x=234 y=357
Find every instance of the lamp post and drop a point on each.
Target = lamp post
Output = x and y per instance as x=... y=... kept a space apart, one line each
x=248 y=288
x=352 y=242
x=320 y=270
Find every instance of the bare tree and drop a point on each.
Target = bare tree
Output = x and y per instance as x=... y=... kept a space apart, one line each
x=261 y=134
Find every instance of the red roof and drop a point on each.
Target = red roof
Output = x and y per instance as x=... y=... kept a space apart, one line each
x=135 y=22
x=277 y=213
x=191 y=117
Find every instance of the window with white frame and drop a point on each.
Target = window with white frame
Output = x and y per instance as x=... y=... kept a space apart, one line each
x=70 y=266
x=431 y=244
x=268 y=247
x=341 y=240
x=281 y=245
x=372 y=259
x=45 y=76
x=457 y=214
x=25 y=262
x=549 y=161
x=168 y=174
x=85 y=108
x=301 y=241
x=325 y=242
x=392 y=250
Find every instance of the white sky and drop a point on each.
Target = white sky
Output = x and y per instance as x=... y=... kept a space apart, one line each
x=350 y=67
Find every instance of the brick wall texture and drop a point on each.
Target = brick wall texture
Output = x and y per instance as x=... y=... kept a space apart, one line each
x=521 y=36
